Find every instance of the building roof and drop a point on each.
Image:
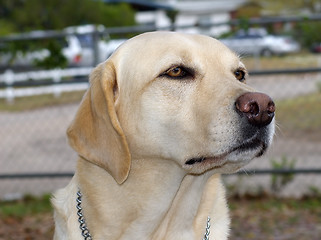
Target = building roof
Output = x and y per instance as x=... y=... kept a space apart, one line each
x=207 y=6
x=185 y=6
x=144 y=5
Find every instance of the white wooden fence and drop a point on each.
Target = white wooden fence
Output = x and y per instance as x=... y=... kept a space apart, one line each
x=9 y=78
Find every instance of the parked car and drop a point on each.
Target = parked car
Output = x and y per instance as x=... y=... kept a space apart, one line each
x=258 y=42
x=106 y=45
x=316 y=48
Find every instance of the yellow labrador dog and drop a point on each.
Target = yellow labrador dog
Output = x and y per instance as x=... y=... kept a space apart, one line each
x=164 y=116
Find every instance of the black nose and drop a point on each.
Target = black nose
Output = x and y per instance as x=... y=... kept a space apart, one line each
x=258 y=108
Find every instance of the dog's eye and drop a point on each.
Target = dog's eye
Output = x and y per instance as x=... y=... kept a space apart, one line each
x=178 y=72
x=240 y=75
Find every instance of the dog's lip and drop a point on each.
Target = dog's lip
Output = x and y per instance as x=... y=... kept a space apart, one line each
x=251 y=144
x=247 y=145
x=196 y=160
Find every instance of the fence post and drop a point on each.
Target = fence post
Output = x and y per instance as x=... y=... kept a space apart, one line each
x=57 y=79
x=257 y=61
x=9 y=80
x=95 y=36
x=319 y=73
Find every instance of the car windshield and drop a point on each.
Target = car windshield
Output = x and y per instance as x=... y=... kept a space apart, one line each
x=86 y=41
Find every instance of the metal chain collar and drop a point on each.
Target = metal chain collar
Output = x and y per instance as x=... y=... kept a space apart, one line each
x=85 y=231
x=83 y=226
x=207 y=230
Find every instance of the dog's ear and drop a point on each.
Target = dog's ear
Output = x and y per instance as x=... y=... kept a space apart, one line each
x=95 y=132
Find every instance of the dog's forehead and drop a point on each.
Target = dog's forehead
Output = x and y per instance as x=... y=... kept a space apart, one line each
x=146 y=56
x=155 y=45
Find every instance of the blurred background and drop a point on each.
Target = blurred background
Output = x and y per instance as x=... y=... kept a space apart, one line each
x=48 y=48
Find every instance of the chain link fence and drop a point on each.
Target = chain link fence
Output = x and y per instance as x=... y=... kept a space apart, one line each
x=292 y=166
x=35 y=157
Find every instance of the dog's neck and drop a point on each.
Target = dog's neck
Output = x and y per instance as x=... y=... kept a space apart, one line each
x=156 y=200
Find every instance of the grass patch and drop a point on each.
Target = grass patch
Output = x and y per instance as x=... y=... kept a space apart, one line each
x=300 y=114
x=267 y=203
x=29 y=205
x=256 y=218
x=40 y=101
x=301 y=60
x=266 y=218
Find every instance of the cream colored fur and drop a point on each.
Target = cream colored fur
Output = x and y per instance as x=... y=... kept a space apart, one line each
x=136 y=128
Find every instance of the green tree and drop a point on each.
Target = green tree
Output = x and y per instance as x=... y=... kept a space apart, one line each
x=26 y=15
x=288 y=7
x=307 y=33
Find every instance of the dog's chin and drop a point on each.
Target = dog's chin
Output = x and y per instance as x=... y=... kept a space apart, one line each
x=230 y=161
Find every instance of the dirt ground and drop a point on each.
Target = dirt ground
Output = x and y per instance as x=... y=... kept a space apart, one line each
x=259 y=219
x=276 y=219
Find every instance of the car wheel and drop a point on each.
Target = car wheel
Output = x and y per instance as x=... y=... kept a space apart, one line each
x=266 y=52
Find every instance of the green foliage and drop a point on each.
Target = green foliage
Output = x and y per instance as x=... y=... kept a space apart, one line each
x=287 y=7
x=314 y=192
x=6 y=27
x=116 y=15
x=30 y=15
x=280 y=180
x=249 y=9
x=307 y=33
x=29 y=205
x=244 y=23
x=172 y=14
x=56 y=58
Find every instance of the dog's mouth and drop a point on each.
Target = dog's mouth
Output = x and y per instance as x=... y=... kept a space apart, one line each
x=255 y=144
x=250 y=145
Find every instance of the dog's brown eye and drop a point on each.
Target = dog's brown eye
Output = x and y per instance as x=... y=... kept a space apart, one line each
x=176 y=72
x=240 y=75
x=179 y=73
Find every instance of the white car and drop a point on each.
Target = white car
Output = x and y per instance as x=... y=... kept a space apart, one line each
x=105 y=47
x=258 y=42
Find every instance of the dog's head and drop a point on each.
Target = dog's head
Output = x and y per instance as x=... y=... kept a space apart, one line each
x=175 y=97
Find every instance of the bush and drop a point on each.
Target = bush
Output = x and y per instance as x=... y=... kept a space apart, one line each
x=308 y=33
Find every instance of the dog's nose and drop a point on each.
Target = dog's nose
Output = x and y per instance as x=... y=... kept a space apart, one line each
x=258 y=108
